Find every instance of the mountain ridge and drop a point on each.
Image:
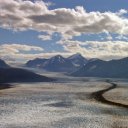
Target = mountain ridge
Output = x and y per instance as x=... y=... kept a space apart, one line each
x=58 y=63
x=100 y=68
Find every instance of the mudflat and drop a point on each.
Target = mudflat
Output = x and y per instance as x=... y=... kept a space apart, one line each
x=81 y=103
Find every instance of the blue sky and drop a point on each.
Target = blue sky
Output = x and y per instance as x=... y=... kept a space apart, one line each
x=92 y=5
x=103 y=26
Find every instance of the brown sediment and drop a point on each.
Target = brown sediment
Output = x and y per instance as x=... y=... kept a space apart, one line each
x=99 y=96
x=5 y=86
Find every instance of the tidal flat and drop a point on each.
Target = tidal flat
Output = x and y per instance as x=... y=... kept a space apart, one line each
x=66 y=103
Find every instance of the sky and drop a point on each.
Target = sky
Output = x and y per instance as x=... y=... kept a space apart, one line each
x=40 y=29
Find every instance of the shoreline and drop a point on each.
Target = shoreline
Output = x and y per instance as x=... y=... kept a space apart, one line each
x=98 y=96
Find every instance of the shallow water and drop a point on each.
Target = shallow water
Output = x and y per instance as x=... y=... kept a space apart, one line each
x=62 y=105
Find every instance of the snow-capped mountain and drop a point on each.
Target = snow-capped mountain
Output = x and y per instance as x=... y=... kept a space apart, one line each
x=78 y=60
x=58 y=64
x=36 y=63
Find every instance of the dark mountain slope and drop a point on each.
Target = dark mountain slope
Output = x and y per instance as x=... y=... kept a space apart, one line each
x=36 y=63
x=78 y=60
x=9 y=75
x=58 y=64
x=3 y=64
x=99 y=68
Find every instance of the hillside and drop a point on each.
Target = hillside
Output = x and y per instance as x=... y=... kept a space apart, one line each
x=9 y=75
x=100 y=68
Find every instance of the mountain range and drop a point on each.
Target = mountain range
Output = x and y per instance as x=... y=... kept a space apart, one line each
x=76 y=65
x=107 y=69
x=58 y=63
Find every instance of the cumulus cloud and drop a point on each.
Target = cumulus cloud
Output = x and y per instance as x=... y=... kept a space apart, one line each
x=122 y=12
x=14 y=52
x=97 y=49
x=22 y=15
x=16 y=48
x=13 y=13
x=77 y=21
x=30 y=56
x=90 y=49
x=11 y=51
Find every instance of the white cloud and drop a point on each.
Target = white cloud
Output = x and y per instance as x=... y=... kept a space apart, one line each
x=122 y=37
x=23 y=15
x=90 y=49
x=13 y=13
x=15 y=50
x=109 y=37
x=45 y=37
x=97 y=49
x=122 y=12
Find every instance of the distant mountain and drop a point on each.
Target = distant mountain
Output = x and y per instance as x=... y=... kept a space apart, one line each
x=36 y=63
x=78 y=60
x=58 y=64
x=9 y=75
x=3 y=64
x=100 y=68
